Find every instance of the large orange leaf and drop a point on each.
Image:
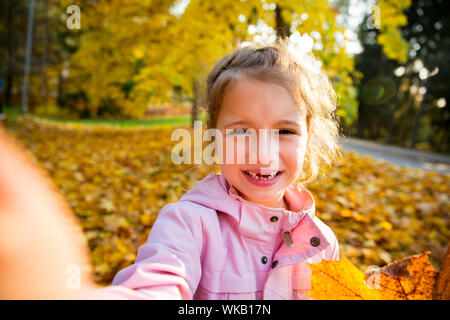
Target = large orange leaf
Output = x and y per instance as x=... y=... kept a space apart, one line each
x=339 y=280
x=443 y=281
x=412 y=278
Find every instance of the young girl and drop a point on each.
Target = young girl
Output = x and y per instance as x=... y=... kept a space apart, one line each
x=248 y=232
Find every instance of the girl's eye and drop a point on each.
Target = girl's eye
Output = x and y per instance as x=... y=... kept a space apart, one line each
x=286 y=131
x=238 y=131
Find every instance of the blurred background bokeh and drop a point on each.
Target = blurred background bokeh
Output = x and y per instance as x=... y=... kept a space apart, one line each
x=94 y=88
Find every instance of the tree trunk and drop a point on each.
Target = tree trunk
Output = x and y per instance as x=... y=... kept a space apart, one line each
x=390 y=128
x=60 y=94
x=10 y=64
x=404 y=121
x=45 y=46
x=393 y=124
x=418 y=119
x=283 y=29
x=360 y=123
x=195 y=100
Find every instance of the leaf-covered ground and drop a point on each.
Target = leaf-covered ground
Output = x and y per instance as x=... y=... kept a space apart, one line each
x=117 y=179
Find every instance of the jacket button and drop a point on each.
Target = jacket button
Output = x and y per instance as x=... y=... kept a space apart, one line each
x=315 y=241
x=264 y=260
x=274 y=219
x=274 y=264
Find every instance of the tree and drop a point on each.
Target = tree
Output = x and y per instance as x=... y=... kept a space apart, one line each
x=53 y=43
x=135 y=53
x=117 y=38
x=411 y=114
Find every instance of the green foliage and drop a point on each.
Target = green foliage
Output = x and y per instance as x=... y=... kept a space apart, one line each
x=398 y=101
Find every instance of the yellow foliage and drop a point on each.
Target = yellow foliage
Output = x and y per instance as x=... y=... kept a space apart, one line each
x=339 y=280
x=116 y=180
x=390 y=38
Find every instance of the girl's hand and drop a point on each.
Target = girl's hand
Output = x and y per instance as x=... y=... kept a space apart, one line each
x=43 y=254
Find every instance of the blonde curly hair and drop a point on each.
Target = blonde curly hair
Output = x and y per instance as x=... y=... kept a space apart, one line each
x=283 y=63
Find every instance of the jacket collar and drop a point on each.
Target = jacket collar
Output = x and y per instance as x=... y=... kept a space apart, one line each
x=298 y=221
x=299 y=199
x=253 y=220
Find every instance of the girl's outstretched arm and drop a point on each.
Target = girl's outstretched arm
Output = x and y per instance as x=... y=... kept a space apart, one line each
x=41 y=243
x=168 y=266
x=43 y=253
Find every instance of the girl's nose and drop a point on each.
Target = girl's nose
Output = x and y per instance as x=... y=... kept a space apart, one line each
x=268 y=149
x=264 y=156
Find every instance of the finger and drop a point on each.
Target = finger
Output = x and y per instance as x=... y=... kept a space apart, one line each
x=40 y=237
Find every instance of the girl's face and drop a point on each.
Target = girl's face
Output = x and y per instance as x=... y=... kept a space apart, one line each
x=254 y=104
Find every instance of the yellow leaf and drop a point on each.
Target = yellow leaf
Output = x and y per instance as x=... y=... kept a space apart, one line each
x=443 y=280
x=339 y=280
x=411 y=278
x=386 y=225
x=346 y=213
x=121 y=247
x=147 y=219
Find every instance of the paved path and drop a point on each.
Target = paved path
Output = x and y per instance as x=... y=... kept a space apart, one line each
x=399 y=156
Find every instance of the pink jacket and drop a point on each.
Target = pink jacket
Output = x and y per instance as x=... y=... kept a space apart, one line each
x=213 y=244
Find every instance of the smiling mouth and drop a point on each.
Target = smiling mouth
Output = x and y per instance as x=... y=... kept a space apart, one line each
x=259 y=176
